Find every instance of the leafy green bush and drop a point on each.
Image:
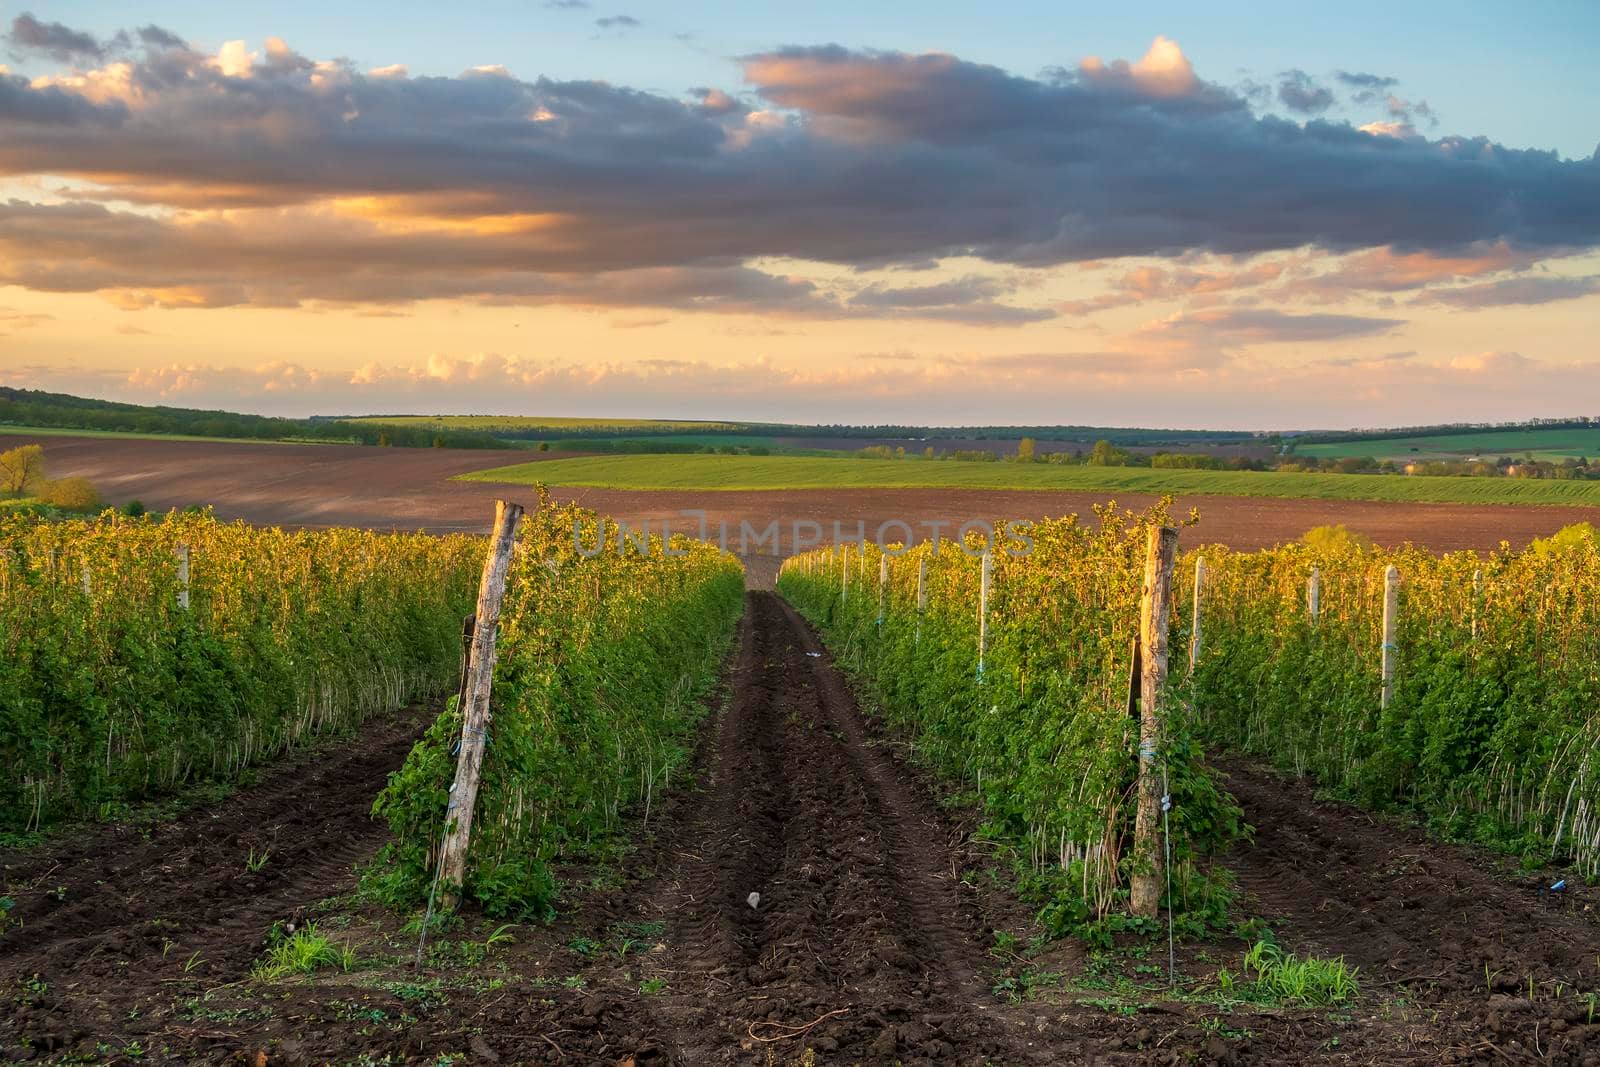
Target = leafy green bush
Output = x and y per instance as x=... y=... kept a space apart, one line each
x=601 y=665
x=110 y=692
x=1043 y=737
x=70 y=494
x=1491 y=730
x=1334 y=538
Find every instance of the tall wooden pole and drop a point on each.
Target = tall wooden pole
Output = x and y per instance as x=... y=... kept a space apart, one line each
x=883 y=582
x=922 y=593
x=182 y=553
x=1477 y=598
x=1391 y=612
x=475 y=715
x=1155 y=617
x=844 y=573
x=1314 y=595
x=983 y=611
x=1194 y=631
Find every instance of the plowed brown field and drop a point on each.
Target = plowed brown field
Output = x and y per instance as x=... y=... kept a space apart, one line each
x=339 y=485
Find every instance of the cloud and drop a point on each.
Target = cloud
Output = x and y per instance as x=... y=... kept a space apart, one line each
x=1408 y=111
x=137 y=261
x=155 y=37
x=1389 y=270
x=249 y=164
x=617 y=22
x=1513 y=292
x=1368 y=88
x=1164 y=71
x=568 y=5
x=22 y=320
x=1223 y=329
x=1365 y=81
x=1174 y=283
x=1498 y=363
x=52 y=39
x=1298 y=92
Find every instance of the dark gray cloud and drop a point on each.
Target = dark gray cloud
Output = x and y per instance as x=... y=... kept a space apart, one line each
x=1299 y=92
x=1360 y=80
x=156 y=37
x=855 y=158
x=1509 y=292
x=617 y=22
x=1368 y=88
x=61 y=43
x=142 y=261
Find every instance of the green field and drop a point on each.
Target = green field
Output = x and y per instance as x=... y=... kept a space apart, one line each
x=719 y=473
x=1552 y=445
x=523 y=423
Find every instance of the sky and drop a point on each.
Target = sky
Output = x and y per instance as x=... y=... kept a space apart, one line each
x=943 y=213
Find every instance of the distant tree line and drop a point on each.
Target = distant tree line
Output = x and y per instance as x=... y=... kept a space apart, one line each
x=31 y=407
x=1104 y=453
x=1330 y=437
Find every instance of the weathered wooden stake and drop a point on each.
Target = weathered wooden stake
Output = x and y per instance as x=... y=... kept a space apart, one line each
x=88 y=582
x=183 y=577
x=1155 y=617
x=922 y=593
x=983 y=611
x=1314 y=595
x=475 y=714
x=844 y=573
x=1194 y=632
x=1391 y=611
x=1477 y=598
x=883 y=582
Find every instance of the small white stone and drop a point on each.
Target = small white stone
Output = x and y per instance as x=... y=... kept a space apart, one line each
x=754 y=900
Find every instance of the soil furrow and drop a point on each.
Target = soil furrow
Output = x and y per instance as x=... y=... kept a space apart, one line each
x=181 y=893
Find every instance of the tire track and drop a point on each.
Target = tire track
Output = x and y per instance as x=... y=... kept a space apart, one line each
x=858 y=912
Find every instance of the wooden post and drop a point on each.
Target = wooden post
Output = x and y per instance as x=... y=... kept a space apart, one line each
x=88 y=582
x=844 y=573
x=1155 y=617
x=883 y=583
x=1391 y=611
x=1194 y=611
x=1314 y=595
x=922 y=593
x=475 y=714
x=183 y=577
x=983 y=611
x=1477 y=598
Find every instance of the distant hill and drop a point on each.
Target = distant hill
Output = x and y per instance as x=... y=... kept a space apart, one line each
x=32 y=407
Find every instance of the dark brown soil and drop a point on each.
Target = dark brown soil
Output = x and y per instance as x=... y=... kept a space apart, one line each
x=873 y=940
x=410 y=488
x=107 y=917
x=1491 y=965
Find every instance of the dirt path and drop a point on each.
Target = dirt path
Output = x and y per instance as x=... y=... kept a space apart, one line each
x=858 y=911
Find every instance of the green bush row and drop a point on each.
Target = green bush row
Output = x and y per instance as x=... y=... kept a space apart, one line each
x=602 y=666
x=1043 y=737
x=110 y=692
x=1494 y=723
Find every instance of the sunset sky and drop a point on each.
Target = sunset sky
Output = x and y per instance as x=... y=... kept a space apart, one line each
x=1139 y=214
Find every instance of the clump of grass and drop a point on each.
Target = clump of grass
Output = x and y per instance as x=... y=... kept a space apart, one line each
x=302 y=952
x=1288 y=978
